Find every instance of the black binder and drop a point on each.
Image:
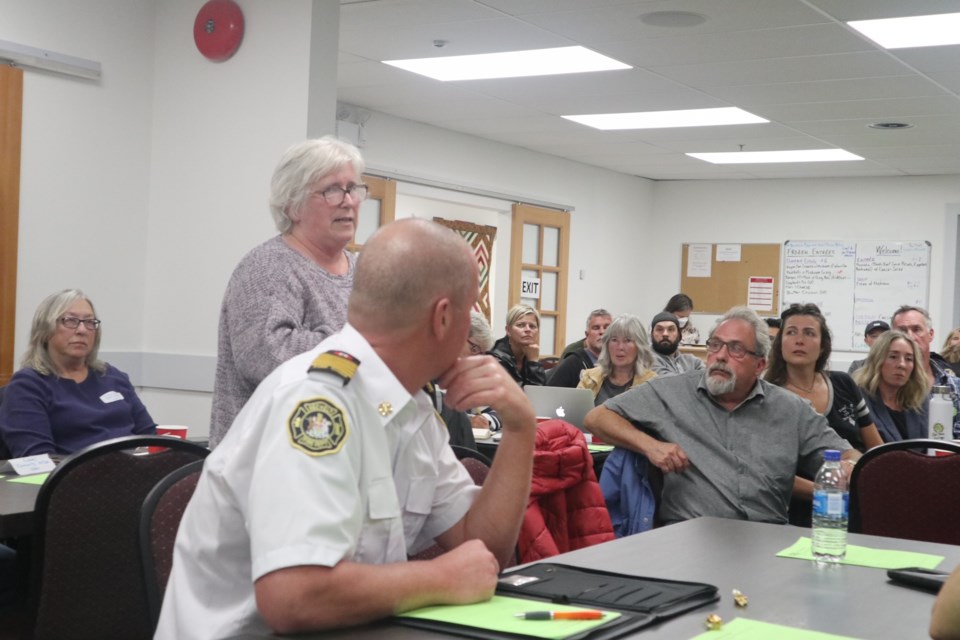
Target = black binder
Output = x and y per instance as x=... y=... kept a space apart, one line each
x=640 y=601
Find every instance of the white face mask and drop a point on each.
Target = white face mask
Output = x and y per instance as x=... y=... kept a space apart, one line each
x=683 y=322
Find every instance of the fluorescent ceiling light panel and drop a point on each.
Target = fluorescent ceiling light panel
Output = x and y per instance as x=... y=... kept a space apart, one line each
x=668 y=119
x=764 y=157
x=510 y=64
x=916 y=31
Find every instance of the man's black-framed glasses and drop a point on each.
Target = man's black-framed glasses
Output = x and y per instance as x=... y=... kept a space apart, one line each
x=736 y=349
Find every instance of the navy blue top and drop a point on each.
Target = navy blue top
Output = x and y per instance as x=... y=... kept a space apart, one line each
x=916 y=421
x=49 y=414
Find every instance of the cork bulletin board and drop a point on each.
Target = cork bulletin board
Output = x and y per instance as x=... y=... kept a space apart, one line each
x=731 y=275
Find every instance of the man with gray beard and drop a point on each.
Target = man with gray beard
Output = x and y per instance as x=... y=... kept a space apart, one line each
x=729 y=444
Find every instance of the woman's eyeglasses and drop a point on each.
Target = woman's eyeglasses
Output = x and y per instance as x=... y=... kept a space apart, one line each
x=335 y=195
x=71 y=322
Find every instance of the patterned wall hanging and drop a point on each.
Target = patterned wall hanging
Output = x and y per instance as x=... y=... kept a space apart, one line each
x=480 y=238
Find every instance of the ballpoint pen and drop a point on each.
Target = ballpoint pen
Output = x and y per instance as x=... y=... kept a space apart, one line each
x=561 y=615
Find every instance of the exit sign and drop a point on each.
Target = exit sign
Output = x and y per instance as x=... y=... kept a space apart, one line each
x=530 y=288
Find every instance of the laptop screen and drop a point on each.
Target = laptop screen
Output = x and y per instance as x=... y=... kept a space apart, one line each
x=564 y=403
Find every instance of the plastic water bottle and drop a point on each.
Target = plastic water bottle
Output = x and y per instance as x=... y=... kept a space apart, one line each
x=940 y=416
x=830 y=502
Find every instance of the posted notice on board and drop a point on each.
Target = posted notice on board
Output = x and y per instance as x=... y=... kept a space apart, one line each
x=728 y=253
x=699 y=260
x=760 y=293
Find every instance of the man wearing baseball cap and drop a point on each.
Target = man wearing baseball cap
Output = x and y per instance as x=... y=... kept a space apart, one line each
x=870 y=334
x=665 y=339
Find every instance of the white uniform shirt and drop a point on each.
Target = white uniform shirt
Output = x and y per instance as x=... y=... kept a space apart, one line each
x=316 y=469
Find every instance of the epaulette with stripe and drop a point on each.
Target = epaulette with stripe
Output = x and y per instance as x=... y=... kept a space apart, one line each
x=339 y=363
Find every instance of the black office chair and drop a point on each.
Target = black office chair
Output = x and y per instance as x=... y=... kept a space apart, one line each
x=160 y=518
x=87 y=577
x=898 y=491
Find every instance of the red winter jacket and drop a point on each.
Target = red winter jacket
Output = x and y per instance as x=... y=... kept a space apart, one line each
x=566 y=509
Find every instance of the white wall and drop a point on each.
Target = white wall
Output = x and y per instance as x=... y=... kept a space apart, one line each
x=611 y=210
x=85 y=163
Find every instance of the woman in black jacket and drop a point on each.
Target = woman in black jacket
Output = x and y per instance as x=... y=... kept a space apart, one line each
x=519 y=350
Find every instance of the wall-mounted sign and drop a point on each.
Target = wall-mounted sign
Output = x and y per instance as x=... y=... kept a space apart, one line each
x=530 y=288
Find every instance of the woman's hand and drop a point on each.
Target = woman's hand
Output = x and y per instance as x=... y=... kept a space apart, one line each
x=531 y=352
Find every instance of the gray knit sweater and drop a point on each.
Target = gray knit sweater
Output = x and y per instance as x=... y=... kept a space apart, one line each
x=278 y=304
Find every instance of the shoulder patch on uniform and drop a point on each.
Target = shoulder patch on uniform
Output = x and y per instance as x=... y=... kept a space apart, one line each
x=339 y=363
x=317 y=427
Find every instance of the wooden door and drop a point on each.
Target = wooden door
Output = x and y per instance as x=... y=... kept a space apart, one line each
x=539 y=251
x=377 y=210
x=11 y=109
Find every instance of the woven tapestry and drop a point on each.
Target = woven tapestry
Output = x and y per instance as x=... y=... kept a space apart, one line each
x=480 y=238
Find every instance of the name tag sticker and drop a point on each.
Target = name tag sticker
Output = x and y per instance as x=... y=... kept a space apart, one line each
x=111 y=396
x=32 y=464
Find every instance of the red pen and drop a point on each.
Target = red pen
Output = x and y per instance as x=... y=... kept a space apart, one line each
x=560 y=615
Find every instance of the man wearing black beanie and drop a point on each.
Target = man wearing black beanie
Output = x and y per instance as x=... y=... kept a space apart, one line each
x=665 y=340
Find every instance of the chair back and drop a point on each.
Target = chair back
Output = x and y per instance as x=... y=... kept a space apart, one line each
x=159 y=521
x=87 y=578
x=549 y=363
x=898 y=491
x=476 y=464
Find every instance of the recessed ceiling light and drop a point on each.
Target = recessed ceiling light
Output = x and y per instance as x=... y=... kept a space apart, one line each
x=667 y=119
x=673 y=19
x=889 y=126
x=510 y=64
x=916 y=31
x=763 y=157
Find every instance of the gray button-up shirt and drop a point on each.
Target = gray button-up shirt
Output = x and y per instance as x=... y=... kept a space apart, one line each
x=742 y=462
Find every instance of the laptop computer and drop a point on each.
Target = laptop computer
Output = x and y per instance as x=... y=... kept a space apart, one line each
x=565 y=403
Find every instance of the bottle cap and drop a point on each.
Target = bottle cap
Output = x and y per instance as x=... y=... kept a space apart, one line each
x=831 y=455
x=943 y=389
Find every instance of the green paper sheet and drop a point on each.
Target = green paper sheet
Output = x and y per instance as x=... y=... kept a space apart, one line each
x=497 y=614
x=600 y=447
x=745 y=629
x=34 y=479
x=867 y=557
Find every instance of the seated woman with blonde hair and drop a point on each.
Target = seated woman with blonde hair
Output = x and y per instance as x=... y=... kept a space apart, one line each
x=625 y=360
x=64 y=397
x=519 y=350
x=896 y=387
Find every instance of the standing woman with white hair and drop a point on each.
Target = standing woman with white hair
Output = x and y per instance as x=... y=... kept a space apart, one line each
x=519 y=350
x=289 y=293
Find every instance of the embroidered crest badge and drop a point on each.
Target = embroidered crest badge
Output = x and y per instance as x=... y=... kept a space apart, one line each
x=317 y=427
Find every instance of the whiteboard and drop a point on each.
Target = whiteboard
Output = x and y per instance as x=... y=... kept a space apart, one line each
x=854 y=283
